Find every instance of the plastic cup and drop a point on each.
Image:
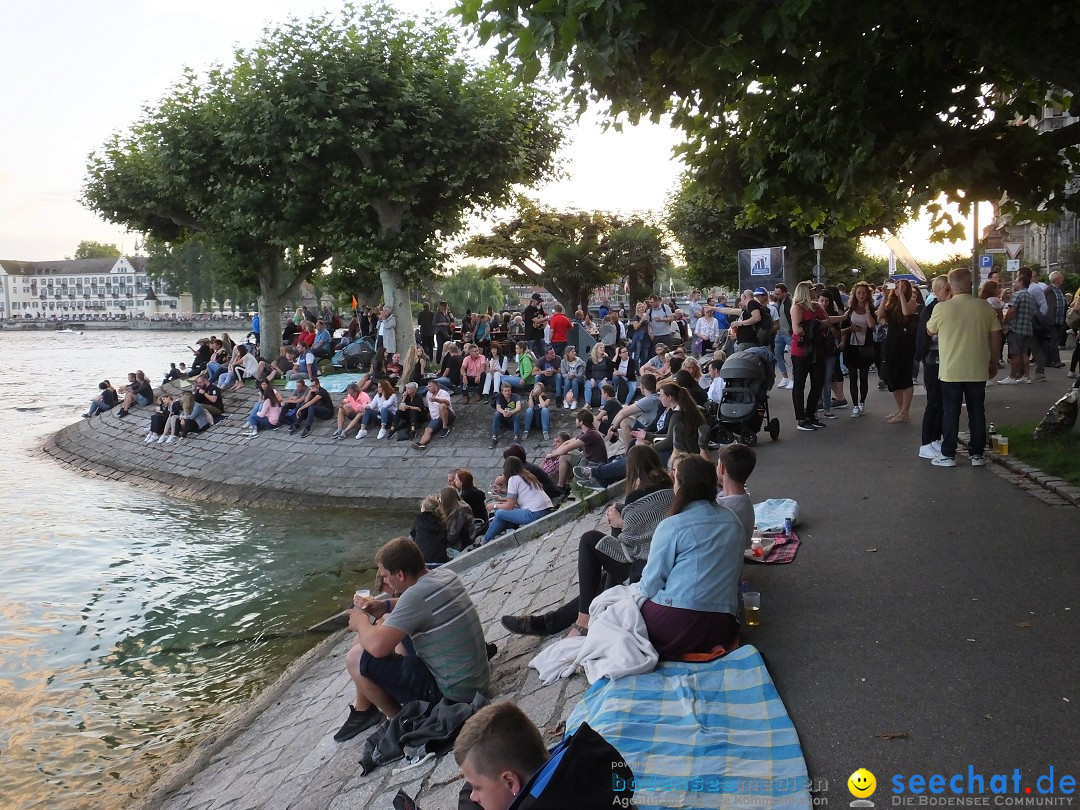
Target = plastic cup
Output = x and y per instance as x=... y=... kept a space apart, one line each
x=363 y=593
x=1003 y=446
x=995 y=441
x=751 y=601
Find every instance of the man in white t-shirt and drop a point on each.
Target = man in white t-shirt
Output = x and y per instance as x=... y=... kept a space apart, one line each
x=441 y=412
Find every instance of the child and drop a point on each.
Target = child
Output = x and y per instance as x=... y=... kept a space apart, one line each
x=609 y=406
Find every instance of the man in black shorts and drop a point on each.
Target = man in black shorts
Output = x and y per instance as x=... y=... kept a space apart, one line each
x=433 y=618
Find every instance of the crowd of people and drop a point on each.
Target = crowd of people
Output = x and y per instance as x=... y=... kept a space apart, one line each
x=648 y=387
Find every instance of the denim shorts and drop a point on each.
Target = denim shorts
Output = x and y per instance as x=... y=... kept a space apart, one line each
x=404 y=676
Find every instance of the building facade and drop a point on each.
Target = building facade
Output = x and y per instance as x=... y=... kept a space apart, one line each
x=82 y=289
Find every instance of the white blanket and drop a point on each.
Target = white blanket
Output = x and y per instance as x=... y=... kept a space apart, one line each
x=617 y=644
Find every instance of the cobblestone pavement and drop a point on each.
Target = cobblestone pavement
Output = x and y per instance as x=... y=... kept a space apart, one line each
x=287 y=757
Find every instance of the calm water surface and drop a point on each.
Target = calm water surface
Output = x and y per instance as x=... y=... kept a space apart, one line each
x=129 y=621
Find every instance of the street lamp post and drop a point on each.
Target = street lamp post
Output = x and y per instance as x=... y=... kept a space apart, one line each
x=819 y=243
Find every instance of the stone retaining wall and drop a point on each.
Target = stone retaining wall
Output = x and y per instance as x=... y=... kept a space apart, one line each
x=276 y=469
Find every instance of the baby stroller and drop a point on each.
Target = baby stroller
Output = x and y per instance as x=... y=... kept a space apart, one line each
x=357 y=356
x=744 y=407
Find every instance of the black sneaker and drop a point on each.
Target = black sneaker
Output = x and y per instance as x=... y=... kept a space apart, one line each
x=358 y=722
x=121 y=413
x=494 y=441
x=294 y=429
x=804 y=425
x=446 y=432
x=305 y=433
x=819 y=425
x=525 y=625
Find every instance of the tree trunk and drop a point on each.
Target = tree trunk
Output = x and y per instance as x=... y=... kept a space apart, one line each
x=396 y=296
x=269 y=318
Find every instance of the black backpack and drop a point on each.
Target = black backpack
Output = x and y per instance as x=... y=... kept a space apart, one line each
x=766 y=328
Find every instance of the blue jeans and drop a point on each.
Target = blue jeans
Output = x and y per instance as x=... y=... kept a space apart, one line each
x=504 y=519
x=615 y=470
x=498 y=422
x=564 y=383
x=515 y=382
x=445 y=383
x=781 y=343
x=214 y=369
x=826 y=392
x=260 y=422
x=590 y=385
x=96 y=407
x=631 y=389
x=385 y=417
x=640 y=348
x=952 y=394
x=545 y=418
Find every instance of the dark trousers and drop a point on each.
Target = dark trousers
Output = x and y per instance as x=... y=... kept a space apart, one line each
x=806 y=405
x=931 y=418
x=427 y=343
x=952 y=395
x=859 y=359
x=592 y=565
x=317 y=412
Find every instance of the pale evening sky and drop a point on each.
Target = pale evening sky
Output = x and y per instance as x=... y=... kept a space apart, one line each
x=75 y=72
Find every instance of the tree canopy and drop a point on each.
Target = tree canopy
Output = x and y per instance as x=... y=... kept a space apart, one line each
x=708 y=229
x=561 y=251
x=834 y=115
x=364 y=137
x=469 y=289
x=96 y=250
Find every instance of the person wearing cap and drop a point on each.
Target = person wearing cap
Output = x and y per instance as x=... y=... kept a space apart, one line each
x=535 y=318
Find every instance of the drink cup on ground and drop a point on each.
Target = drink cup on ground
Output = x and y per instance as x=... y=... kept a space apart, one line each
x=752 y=608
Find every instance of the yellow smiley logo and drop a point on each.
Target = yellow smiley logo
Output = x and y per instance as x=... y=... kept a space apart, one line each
x=861 y=783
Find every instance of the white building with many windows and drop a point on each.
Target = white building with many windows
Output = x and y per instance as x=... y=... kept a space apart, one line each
x=82 y=289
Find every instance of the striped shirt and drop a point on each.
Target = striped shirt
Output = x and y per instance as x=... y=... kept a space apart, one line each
x=440 y=618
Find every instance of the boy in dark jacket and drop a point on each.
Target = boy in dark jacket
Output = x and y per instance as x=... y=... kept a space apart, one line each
x=507 y=767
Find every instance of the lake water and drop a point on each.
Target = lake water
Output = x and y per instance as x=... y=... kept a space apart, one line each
x=130 y=621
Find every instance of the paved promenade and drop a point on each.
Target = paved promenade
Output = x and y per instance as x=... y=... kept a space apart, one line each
x=928 y=623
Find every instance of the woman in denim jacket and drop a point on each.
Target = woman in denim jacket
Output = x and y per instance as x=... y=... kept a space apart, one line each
x=691 y=581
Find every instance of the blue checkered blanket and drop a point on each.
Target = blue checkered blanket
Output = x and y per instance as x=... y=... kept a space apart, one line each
x=702 y=735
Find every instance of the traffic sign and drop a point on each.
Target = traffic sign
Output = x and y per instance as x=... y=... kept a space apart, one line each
x=1012 y=265
x=986 y=262
x=1013 y=249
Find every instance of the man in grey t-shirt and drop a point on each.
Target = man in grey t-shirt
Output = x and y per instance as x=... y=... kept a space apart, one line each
x=733 y=466
x=434 y=619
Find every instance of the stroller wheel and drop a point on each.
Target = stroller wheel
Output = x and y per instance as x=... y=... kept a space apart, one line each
x=749 y=439
x=774 y=429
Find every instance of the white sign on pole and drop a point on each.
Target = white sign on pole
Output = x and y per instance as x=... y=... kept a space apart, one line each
x=1012 y=265
x=1013 y=249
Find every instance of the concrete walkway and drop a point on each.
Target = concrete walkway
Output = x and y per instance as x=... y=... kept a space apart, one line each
x=928 y=623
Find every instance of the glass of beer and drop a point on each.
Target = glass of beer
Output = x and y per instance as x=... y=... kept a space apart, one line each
x=751 y=601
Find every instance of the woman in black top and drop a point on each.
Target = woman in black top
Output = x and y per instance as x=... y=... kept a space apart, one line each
x=462 y=481
x=598 y=370
x=620 y=553
x=429 y=530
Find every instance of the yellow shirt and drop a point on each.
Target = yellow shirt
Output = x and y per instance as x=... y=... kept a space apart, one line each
x=963 y=325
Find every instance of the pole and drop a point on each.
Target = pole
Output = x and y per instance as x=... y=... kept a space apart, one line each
x=975 y=249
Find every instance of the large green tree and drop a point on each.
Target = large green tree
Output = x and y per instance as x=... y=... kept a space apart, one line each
x=561 y=251
x=637 y=252
x=193 y=266
x=469 y=288
x=827 y=113
x=363 y=137
x=96 y=250
x=711 y=231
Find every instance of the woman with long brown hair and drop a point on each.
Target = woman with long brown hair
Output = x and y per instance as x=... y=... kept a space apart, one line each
x=858 y=330
x=683 y=420
x=691 y=581
x=620 y=552
x=525 y=499
x=899 y=311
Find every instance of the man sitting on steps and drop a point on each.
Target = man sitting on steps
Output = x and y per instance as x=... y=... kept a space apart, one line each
x=426 y=644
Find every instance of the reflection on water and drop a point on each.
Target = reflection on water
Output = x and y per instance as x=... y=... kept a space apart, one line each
x=128 y=620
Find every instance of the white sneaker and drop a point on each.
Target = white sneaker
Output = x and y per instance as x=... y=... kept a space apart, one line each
x=944 y=461
x=937 y=447
x=382 y=433
x=978 y=461
x=161 y=439
x=1071 y=375
x=361 y=434
x=929 y=451
x=1008 y=381
x=573 y=406
x=170 y=440
x=1026 y=380
x=856 y=411
x=150 y=437
x=565 y=405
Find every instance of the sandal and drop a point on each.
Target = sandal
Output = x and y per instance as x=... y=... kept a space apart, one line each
x=581 y=631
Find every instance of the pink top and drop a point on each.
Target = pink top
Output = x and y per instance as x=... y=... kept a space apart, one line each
x=270 y=411
x=357 y=403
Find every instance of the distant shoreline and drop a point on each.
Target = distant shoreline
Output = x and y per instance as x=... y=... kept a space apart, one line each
x=215 y=325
